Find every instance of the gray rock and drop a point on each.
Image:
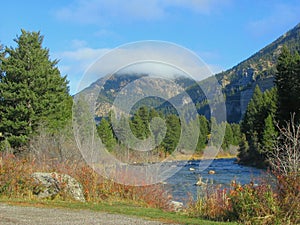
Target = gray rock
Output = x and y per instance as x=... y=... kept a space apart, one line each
x=51 y=184
x=176 y=206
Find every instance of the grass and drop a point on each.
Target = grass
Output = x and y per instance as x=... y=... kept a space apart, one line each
x=116 y=208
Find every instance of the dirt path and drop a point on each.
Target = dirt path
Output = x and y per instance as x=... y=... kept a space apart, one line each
x=34 y=216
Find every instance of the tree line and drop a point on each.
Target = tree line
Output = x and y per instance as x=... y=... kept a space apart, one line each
x=34 y=94
x=269 y=111
x=166 y=135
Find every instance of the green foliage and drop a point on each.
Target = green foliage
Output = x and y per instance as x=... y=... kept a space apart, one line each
x=236 y=132
x=260 y=107
x=287 y=81
x=106 y=134
x=228 y=137
x=173 y=133
x=280 y=102
x=158 y=129
x=270 y=135
x=203 y=133
x=32 y=91
x=217 y=132
x=140 y=123
x=243 y=149
x=254 y=205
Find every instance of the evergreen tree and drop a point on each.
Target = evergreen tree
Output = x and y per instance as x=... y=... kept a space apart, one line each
x=106 y=134
x=173 y=133
x=217 y=134
x=203 y=133
x=269 y=135
x=243 y=154
x=287 y=81
x=253 y=125
x=236 y=132
x=157 y=127
x=253 y=114
x=32 y=90
x=140 y=123
x=228 y=137
x=153 y=113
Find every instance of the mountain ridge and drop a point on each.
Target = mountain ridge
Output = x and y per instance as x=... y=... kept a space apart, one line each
x=238 y=82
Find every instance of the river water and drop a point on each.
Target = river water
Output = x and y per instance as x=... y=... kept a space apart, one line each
x=183 y=183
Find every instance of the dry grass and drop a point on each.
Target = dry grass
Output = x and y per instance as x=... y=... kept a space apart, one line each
x=16 y=182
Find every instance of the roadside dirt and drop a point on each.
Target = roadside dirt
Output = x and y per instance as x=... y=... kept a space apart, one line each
x=34 y=216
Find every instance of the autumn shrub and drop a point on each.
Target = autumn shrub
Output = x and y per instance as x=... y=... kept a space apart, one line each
x=254 y=204
x=288 y=194
x=271 y=202
x=212 y=203
x=16 y=182
x=15 y=176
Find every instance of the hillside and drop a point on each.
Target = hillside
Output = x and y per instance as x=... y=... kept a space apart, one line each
x=259 y=69
x=238 y=82
x=137 y=84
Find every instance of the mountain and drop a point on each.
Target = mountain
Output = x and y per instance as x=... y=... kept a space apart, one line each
x=259 y=69
x=133 y=85
x=237 y=83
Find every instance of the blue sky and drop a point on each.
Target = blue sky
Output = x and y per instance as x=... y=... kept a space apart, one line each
x=221 y=32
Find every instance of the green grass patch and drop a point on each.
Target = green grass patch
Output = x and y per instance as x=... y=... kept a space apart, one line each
x=116 y=208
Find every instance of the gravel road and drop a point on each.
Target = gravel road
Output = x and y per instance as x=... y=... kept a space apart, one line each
x=31 y=215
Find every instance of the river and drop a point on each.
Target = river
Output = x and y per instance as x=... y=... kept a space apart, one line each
x=182 y=184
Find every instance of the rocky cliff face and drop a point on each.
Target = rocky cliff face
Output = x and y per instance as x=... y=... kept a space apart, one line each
x=259 y=69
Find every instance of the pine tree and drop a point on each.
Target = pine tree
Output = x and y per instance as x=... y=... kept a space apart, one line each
x=243 y=154
x=228 y=137
x=236 y=131
x=157 y=127
x=253 y=114
x=287 y=81
x=140 y=123
x=32 y=91
x=253 y=125
x=269 y=135
x=173 y=133
x=217 y=132
x=106 y=134
x=203 y=133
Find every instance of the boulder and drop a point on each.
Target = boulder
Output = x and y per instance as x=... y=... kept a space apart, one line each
x=52 y=184
x=211 y=172
x=176 y=206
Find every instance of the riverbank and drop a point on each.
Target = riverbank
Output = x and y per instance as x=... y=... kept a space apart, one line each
x=199 y=156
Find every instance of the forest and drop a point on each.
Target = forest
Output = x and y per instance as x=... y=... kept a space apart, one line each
x=36 y=133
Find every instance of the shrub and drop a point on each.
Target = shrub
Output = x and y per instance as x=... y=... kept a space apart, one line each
x=212 y=203
x=15 y=179
x=16 y=182
x=253 y=204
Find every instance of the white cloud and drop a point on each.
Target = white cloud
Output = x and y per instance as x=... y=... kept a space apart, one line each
x=82 y=65
x=103 y=12
x=149 y=57
x=85 y=54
